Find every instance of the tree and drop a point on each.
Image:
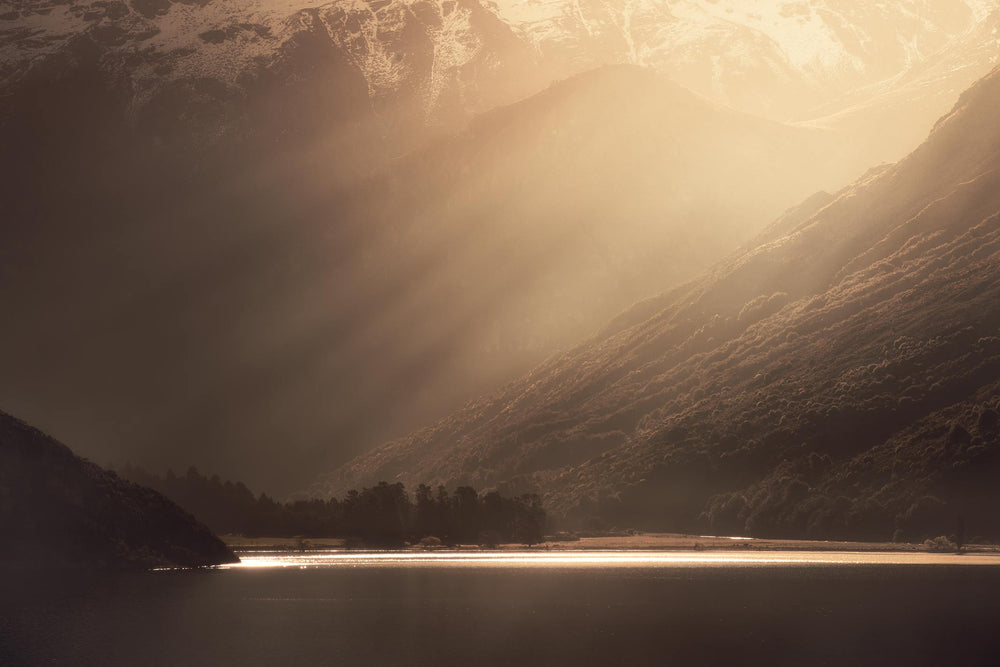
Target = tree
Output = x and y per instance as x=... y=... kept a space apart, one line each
x=425 y=514
x=466 y=514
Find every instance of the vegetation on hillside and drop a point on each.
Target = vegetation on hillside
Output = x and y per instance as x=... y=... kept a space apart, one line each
x=383 y=514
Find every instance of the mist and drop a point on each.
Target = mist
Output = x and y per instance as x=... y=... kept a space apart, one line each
x=265 y=250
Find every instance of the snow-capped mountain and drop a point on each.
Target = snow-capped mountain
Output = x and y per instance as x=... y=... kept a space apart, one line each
x=419 y=62
x=772 y=57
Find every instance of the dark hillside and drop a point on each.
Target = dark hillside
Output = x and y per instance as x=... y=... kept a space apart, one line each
x=60 y=511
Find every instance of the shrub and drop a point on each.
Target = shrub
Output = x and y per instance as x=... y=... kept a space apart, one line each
x=940 y=544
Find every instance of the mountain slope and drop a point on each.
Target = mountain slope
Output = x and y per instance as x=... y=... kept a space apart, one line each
x=57 y=510
x=526 y=233
x=829 y=380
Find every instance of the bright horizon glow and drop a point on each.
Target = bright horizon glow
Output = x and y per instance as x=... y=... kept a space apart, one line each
x=599 y=559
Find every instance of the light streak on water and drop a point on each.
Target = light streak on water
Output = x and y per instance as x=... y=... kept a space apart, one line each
x=597 y=559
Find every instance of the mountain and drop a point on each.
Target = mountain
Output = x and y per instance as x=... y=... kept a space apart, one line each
x=212 y=206
x=368 y=79
x=893 y=115
x=838 y=377
x=199 y=72
x=880 y=73
x=60 y=511
x=527 y=232
x=775 y=58
x=170 y=172
x=214 y=319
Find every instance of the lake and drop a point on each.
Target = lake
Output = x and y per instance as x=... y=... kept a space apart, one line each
x=536 y=608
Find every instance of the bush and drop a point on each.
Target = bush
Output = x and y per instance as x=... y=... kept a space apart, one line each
x=940 y=544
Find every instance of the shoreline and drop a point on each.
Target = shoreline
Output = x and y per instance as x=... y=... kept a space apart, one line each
x=637 y=542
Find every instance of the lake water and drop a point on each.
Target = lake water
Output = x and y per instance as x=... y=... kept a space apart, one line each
x=538 y=608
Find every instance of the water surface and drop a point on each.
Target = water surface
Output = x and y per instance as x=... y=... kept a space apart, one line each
x=601 y=559
x=539 y=608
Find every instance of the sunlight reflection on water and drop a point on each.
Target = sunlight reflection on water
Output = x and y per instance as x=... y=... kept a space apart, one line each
x=601 y=559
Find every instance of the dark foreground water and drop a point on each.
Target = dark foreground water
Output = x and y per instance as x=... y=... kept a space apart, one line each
x=599 y=609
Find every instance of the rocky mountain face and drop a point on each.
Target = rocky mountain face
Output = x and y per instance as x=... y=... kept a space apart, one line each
x=203 y=71
x=57 y=510
x=836 y=378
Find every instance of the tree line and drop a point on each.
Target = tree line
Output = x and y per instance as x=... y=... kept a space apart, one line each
x=384 y=514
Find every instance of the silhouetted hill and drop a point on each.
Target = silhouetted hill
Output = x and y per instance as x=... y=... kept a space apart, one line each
x=57 y=510
x=838 y=377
